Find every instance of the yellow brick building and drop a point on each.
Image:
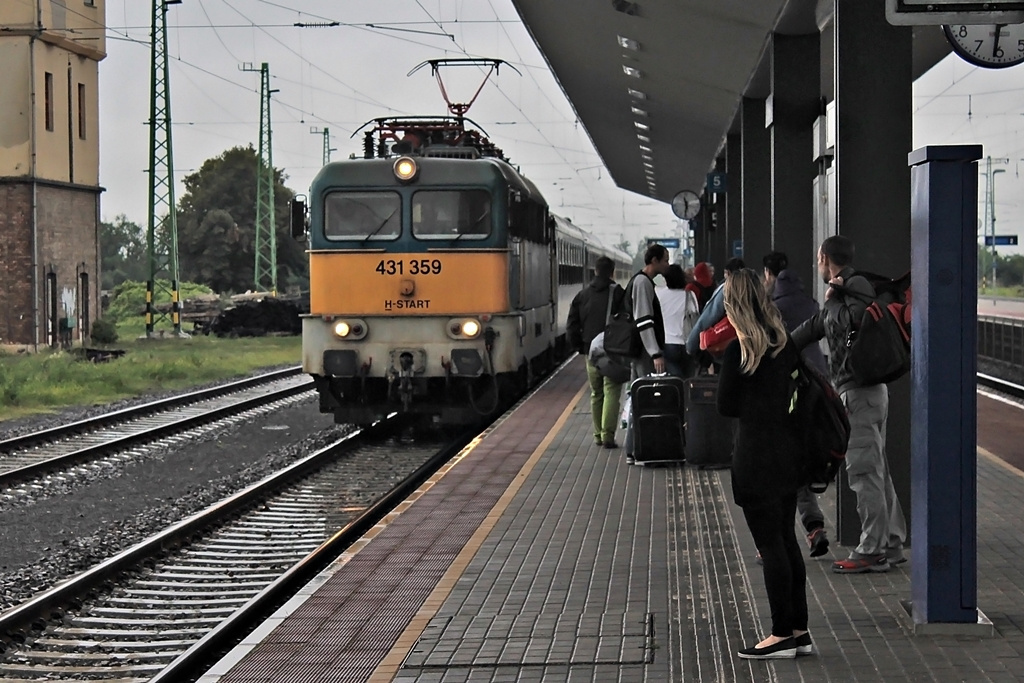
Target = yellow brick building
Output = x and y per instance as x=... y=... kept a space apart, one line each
x=49 y=169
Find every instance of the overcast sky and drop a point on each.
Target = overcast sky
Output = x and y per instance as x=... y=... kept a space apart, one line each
x=341 y=77
x=957 y=103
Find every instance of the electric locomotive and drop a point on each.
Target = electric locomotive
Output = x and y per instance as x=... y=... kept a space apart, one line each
x=436 y=273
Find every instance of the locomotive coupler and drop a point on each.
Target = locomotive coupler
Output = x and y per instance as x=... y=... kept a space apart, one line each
x=364 y=371
x=404 y=375
x=446 y=365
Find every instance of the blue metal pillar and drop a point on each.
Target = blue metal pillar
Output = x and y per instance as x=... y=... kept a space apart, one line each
x=943 y=454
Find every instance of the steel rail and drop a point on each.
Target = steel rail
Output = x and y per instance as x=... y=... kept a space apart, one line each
x=990 y=382
x=34 y=470
x=33 y=612
x=197 y=659
x=55 y=433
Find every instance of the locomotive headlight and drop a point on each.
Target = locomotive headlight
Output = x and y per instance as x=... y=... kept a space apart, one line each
x=463 y=328
x=405 y=169
x=349 y=330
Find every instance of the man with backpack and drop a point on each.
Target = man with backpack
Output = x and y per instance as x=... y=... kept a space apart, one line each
x=883 y=527
x=646 y=309
x=588 y=315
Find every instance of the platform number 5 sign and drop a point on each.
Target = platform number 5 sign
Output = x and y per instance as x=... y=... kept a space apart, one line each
x=716 y=183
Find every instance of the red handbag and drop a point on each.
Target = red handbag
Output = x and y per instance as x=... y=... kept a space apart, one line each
x=717 y=337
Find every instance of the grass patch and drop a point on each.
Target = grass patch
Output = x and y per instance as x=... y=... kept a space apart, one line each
x=48 y=381
x=1009 y=292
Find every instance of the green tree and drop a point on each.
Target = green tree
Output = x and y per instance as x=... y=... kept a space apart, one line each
x=1011 y=270
x=217 y=225
x=123 y=254
x=128 y=300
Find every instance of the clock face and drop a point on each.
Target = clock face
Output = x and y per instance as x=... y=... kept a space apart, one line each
x=994 y=46
x=686 y=204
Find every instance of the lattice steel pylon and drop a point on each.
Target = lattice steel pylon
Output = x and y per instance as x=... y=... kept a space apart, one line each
x=162 y=233
x=266 y=232
x=326 y=133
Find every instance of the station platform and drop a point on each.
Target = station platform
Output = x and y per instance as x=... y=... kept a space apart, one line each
x=538 y=556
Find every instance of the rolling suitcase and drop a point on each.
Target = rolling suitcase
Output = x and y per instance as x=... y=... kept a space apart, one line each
x=709 y=436
x=658 y=409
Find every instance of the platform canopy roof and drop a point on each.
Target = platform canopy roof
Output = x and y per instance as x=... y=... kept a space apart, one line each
x=692 y=60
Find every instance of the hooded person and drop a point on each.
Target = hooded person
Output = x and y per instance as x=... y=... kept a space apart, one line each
x=703 y=285
x=786 y=290
x=787 y=293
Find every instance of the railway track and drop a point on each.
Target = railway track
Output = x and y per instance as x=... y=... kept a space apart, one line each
x=166 y=612
x=1009 y=389
x=118 y=434
x=266 y=542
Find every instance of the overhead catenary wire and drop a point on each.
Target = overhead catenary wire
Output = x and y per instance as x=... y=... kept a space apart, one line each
x=545 y=142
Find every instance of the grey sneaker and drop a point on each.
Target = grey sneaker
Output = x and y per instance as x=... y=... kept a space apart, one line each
x=895 y=556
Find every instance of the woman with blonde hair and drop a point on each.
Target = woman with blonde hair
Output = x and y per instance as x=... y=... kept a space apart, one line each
x=755 y=386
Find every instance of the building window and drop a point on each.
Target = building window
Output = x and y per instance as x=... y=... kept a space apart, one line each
x=81 y=111
x=90 y=3
x=49 y=101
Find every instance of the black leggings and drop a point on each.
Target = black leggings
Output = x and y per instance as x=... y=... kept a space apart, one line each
x=785 y=577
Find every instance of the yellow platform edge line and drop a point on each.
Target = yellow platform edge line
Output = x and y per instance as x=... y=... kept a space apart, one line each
x=996 y=460
x=392 y=663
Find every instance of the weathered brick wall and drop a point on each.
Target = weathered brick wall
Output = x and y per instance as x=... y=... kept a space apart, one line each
x=15 y=263
x=68 y=245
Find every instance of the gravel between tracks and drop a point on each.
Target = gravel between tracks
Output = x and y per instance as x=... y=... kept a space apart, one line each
x=60 y=532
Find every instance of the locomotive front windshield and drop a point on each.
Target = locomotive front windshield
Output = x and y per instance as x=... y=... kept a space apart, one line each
x=451 y=214
x=363 y=216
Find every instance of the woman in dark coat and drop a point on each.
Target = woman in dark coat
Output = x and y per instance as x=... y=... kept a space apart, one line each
x=755 y=386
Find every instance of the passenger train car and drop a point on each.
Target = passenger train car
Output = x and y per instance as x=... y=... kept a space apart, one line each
x=439 y=281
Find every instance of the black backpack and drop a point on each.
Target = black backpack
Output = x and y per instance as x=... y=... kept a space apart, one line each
x=621 y=338
x=821 y=420
x=879 y=346
x=704 y=295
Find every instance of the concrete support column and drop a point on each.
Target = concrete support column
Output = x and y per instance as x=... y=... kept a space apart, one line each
x=754 y=187
x=795 y=104
x=873 y=87
x=733 y=197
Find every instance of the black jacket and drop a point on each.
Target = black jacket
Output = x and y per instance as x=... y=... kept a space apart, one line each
x=588 y=310
x=766 y=458
x=796 y=306
x=834 y=322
